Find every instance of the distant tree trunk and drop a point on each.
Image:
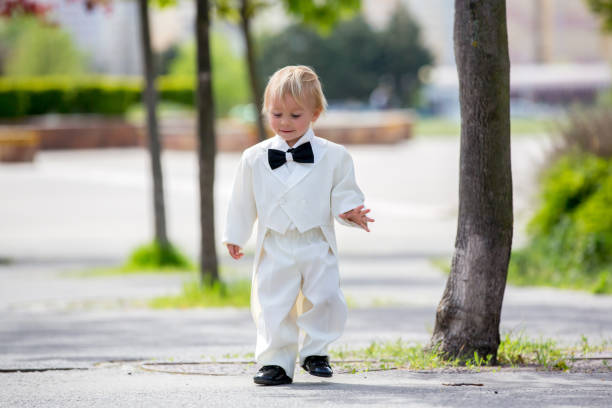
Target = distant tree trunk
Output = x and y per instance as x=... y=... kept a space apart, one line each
x=543 y=35
x=206 y=145
x=150 y=100
x=468 y=315
x=245 y=14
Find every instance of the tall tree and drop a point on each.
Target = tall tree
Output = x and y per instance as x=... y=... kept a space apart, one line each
x=403 y=54
x=247 y=11
x=150 y=100
x=209 y=270
x=468 y=316
x=389 y=58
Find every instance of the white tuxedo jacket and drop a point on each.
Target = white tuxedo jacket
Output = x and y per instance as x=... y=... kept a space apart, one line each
x=313 y=196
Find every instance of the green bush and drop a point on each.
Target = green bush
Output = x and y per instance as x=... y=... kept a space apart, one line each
x=154 y=257
x=22 y=96
x=571 y=234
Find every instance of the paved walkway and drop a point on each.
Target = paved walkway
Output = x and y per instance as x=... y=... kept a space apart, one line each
x=91 y=335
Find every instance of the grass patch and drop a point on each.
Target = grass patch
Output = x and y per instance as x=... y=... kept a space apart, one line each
x=513 y=352
x=437 y=126
x=526 y=126
x=450 y=127
x=154 y=256
x=235 y=293
x=533 y=266
x=528 y=267
x=137 y=112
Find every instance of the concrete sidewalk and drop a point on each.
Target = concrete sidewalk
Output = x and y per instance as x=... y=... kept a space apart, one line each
x=124 y=386
x=81 y=346
x=91 y=346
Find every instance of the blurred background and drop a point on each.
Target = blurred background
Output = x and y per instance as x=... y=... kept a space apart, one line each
x=76 y=189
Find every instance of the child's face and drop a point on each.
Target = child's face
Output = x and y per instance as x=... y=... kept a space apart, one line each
x=290 y=120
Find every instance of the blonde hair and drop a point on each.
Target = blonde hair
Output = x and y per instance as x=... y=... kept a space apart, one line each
x=299 y=81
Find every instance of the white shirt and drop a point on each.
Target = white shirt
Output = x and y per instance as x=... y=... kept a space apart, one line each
x=286 y=169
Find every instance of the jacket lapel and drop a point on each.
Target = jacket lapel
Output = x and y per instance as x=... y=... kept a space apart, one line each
x=319 y=148
x=264 y=158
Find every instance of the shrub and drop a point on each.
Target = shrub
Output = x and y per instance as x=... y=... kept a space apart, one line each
x=154 y=257
x=22 y=96
x=571 y=234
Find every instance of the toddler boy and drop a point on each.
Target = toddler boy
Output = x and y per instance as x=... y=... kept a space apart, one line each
x=294 y=184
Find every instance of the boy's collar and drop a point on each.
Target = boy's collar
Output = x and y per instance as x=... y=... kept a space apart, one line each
x=281 y=144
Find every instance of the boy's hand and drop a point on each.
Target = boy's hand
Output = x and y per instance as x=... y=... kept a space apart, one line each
x=358 y=216
x=234 y=251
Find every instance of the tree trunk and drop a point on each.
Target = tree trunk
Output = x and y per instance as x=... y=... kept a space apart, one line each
x=206 y=145
x=468 y=316
x=150 y=100
x=245 y=14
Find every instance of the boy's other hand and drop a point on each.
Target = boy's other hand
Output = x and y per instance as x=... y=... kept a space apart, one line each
x=358 y=216
x=234 y=251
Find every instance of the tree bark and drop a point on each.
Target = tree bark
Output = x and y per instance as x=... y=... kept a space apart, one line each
x=245 y=25
x=150 y=100
x=468 y=316
x=206 y=145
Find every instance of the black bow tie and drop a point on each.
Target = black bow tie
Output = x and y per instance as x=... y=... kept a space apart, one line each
x=301 y=154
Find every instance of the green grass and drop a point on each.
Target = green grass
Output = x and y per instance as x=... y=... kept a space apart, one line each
x=532 y=267
x=541 y=274
x=517 y=351
x=154 y=256
x=436 y=126
x=235 y=293
x=137 y=112
x=440 y=126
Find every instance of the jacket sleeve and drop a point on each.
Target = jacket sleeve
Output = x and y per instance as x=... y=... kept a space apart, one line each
x=345 y=194
x=242 y=211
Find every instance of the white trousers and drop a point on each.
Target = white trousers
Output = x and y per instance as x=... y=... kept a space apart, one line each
x=297 y=286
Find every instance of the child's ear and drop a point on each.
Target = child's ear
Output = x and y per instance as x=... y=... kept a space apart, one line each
x=316 y=114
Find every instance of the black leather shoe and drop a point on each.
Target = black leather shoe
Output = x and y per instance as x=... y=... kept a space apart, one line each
x=318 y=365
x=272 y=375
